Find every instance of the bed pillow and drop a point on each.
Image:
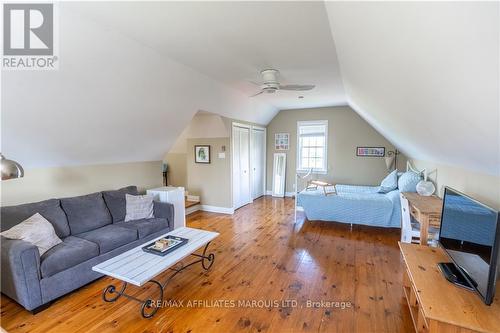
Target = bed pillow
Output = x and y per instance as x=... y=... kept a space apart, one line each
x=138 y=207
x=390 y=183
x=35 y=230
x=408 y=181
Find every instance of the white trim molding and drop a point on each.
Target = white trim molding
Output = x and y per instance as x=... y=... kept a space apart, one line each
x=287 y=194
x=216 y=209
x=324 y=169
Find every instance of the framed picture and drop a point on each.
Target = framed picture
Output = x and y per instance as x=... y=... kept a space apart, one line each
x=370 y=151
x=281 y=141
x=202 y=154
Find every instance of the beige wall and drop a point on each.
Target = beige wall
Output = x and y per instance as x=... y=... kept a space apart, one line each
x=346 y=131
x=177 y=169
x=212 y=182
x=483 y=187
x=41 y=184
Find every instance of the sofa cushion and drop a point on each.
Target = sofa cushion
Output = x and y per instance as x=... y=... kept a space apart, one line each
x=86 y=212
x=110 y=237
x=139 y=207
x=115 y=200
x=49 y=209
x=35 y=230
x=71 y=252
x=146 y=227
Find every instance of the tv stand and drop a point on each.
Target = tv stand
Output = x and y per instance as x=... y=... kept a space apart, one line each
x=437 y=306
x=453 y=274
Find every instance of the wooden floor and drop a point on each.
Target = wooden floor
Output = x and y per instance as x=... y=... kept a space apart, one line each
x=261 y=255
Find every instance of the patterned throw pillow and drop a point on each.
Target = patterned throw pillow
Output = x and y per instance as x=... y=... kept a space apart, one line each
x=138 y=207
x=390 y=183
x=408 y=181
x=35 y=230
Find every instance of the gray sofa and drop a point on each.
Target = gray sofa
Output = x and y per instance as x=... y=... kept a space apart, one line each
x=92 y=229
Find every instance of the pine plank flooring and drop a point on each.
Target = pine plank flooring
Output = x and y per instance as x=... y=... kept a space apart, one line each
x=261 y=255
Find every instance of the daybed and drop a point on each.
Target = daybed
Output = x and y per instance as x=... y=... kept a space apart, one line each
x=358 y=204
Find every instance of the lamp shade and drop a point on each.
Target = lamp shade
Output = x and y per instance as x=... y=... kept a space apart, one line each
x=389 y=160
x=10 y=169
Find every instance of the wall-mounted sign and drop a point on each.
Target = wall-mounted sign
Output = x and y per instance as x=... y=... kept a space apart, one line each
x=370 y=151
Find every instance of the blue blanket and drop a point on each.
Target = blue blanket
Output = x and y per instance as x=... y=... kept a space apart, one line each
x=353 y=204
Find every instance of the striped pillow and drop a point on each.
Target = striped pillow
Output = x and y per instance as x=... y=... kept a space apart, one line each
x=35 y=230
x=138 y=207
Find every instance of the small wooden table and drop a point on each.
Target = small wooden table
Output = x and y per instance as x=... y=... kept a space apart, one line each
x=138 y=267
x=426 y=210
x=438 y=306
x=327 y=187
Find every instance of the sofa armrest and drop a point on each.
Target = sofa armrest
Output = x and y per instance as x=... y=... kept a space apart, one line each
x=164 y=210
x=20 y=274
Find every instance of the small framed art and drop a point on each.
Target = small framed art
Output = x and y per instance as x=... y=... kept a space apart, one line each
x=370 y=151
x=202 y=154
x=281 y=141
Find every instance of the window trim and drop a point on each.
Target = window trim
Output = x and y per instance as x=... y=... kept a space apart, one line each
x=324 y=170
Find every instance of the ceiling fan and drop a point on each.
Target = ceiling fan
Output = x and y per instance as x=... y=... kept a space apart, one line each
x=271 y=85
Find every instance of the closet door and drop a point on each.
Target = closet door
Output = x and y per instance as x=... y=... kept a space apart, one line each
x=241 y=166
x=258 y=162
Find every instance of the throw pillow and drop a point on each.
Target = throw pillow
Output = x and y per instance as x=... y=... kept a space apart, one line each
x=115 y=200
x=390 y=183
x=35 y=230
x=138 y=207
x=408 y=181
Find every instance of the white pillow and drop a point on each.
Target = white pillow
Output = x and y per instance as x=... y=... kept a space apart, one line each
x=138 y=207
x=35 y=230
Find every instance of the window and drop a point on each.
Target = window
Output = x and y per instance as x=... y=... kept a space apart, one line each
x=312 y=146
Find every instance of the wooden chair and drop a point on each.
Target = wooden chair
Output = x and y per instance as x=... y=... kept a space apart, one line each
x=410 y=229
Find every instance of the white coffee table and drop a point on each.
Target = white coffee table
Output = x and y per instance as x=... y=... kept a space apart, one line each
x=138 y=267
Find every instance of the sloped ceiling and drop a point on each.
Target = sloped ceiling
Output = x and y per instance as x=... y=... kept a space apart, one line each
x=112 y=100
x=232 y=41
x=132 y=75
x=426 y=75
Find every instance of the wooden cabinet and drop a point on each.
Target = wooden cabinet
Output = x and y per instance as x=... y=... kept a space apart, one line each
x=436 y=305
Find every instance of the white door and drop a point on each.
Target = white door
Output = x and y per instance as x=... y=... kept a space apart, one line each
x=241 y=166
x=258 y=162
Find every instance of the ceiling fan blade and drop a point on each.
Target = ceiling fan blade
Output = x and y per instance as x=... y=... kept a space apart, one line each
x=297 y=87
x=260 y=92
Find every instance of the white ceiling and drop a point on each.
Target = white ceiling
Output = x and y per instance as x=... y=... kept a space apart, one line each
x=233 y=41
x=426 y=75
x=132 y=75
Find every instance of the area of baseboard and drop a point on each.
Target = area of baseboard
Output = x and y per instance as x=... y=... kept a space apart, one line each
x=215 y=209
x=211 y=209
x=287 y=194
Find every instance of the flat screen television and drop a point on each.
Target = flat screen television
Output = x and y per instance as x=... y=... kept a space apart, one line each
x=470 y=234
